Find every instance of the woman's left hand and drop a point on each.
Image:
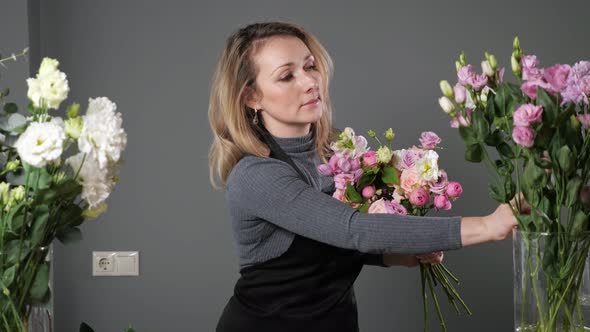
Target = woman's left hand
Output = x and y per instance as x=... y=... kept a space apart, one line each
x=432 y=258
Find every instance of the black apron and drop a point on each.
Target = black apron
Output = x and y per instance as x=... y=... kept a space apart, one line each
x=308 y=288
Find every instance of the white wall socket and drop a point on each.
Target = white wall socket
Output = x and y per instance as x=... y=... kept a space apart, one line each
x=115 y=263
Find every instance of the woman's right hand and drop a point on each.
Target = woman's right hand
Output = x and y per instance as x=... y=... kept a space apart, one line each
x=493 y=227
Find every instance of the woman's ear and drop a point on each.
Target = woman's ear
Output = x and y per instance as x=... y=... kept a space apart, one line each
x=251 y=98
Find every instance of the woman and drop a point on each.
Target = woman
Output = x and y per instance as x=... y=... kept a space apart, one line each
x=300 y=250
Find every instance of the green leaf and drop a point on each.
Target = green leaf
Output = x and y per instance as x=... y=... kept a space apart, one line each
x=352 y=195
x=580 y=223
x=365 y=207
x=573 y=190
x=85 y=328
x=468 y=135
x=44 y=179
x=40 y=284
x=494 y=138
x=16 y=217
x=549 y=106
x=12 y=249
x=10 y=108
x=565 y=114
x=366 y=180
x=390 y=175
x=40 y=215
x=496 y=193
x=8 y=276
x=544 y=136
x=499 y=101
x=480 y=125
x=566 y=160
x=69 y=235
x=474 y=153
x=534 y=176
x=505 y=150
x=504 y=167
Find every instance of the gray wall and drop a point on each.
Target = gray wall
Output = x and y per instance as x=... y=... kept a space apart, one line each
x=155 y=59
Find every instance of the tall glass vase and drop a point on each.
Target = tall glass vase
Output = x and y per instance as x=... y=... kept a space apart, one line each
x=551 y=282
x=41 y=315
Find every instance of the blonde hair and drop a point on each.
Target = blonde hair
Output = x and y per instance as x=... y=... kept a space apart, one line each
x=230 y=119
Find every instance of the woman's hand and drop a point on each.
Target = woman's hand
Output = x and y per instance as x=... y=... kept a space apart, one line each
x=413 y=260
x=493 y=227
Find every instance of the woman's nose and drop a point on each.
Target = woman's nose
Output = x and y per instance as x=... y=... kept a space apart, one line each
x=311 y=82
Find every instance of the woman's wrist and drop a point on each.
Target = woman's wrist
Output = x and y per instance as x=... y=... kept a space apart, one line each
x=473 y=231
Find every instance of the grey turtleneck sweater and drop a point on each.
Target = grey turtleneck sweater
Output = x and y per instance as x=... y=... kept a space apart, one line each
x=269 y=203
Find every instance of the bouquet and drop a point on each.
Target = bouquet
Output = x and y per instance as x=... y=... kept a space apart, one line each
x=533 y=138
x=54 y=175
x=406 y=182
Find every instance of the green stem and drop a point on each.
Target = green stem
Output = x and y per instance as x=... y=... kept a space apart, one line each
x=424 y=298
x=436 y=304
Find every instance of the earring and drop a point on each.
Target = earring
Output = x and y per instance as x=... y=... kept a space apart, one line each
x=255 y=120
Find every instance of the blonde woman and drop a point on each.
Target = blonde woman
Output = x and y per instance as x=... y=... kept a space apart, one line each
x=300 y=250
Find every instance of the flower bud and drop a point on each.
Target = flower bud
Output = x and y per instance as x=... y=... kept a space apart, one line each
x=73 y=127
x=446 y=104
x=460 y=93
x=516 y=43
x=487 y=69
x=493 y=62
x=389 y=135
x=574 y=122
x=12 y=166
x=4 y=192
x=462 y=58
x=515 y=66
x=59 y=177
x=446 y=88
x=368 y=191
x=72 y=110
x=17 y=194
x=458 y=65
x=371 y=133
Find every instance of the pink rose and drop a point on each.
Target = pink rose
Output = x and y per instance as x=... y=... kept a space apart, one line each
x=454 y=189
x=440 y=186
x=441 y=202
x=398 y=208
x=556 y=76
x=409 y=158
x=460 y=93
x=368 y=191
x=584 y=120
x=527 y=114
x=465 y=74
x=479 y=81
x=339 y=195
x=419 y=197
x=523 y=136
x=370 y=159
x=379 y=206
x=409 y=180
x=429 y=140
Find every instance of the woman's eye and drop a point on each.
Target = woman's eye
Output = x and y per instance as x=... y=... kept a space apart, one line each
x=311 y=67
x=287 y=77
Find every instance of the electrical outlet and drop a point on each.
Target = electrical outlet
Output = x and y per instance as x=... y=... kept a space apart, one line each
x=115 y=263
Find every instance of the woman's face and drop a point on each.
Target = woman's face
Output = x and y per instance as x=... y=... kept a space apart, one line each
x=288 y=87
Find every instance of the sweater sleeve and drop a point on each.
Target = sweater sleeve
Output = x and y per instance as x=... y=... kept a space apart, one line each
x=270 y=189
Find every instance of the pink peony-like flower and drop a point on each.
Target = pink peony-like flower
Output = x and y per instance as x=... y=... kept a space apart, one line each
x=344 y=164
x=419 y=197
x=325 y=170
x=577 y=89
x=370 y=159
x=355 y=164
x=460 y=93
x=454 y=189
x=440 y=185
x=429 y=140
x=409 y=180
x=441 y=202
x=556 y=77
x=479 y=81
x=398 y=208
x=368 y=191
x=340 y=180
x=339 y=195
x=333 y=163
x=530 y=72
x=530 y=87
x=523 y=136
x=584 y=120
x=465 y=74
x=527 y=114
x=379 y=206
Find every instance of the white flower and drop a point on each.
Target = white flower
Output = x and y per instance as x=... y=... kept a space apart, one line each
x=384 y=155
x=486 y=67
x=102 y=136
x=446 y=104
x=427 y=166
x=469 y=101
x=97 y=182
x=50 y=87
x=41 y=143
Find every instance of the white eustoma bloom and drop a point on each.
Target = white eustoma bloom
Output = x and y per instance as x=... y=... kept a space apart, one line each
x=50 y=87
x=97 y=182
x=427 y=166
x=102 y=136
x=446 y=104
x=41 y=143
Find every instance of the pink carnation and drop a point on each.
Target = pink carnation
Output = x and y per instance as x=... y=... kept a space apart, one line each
x=523 y=136
x=527 y=114
x=556 y=76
